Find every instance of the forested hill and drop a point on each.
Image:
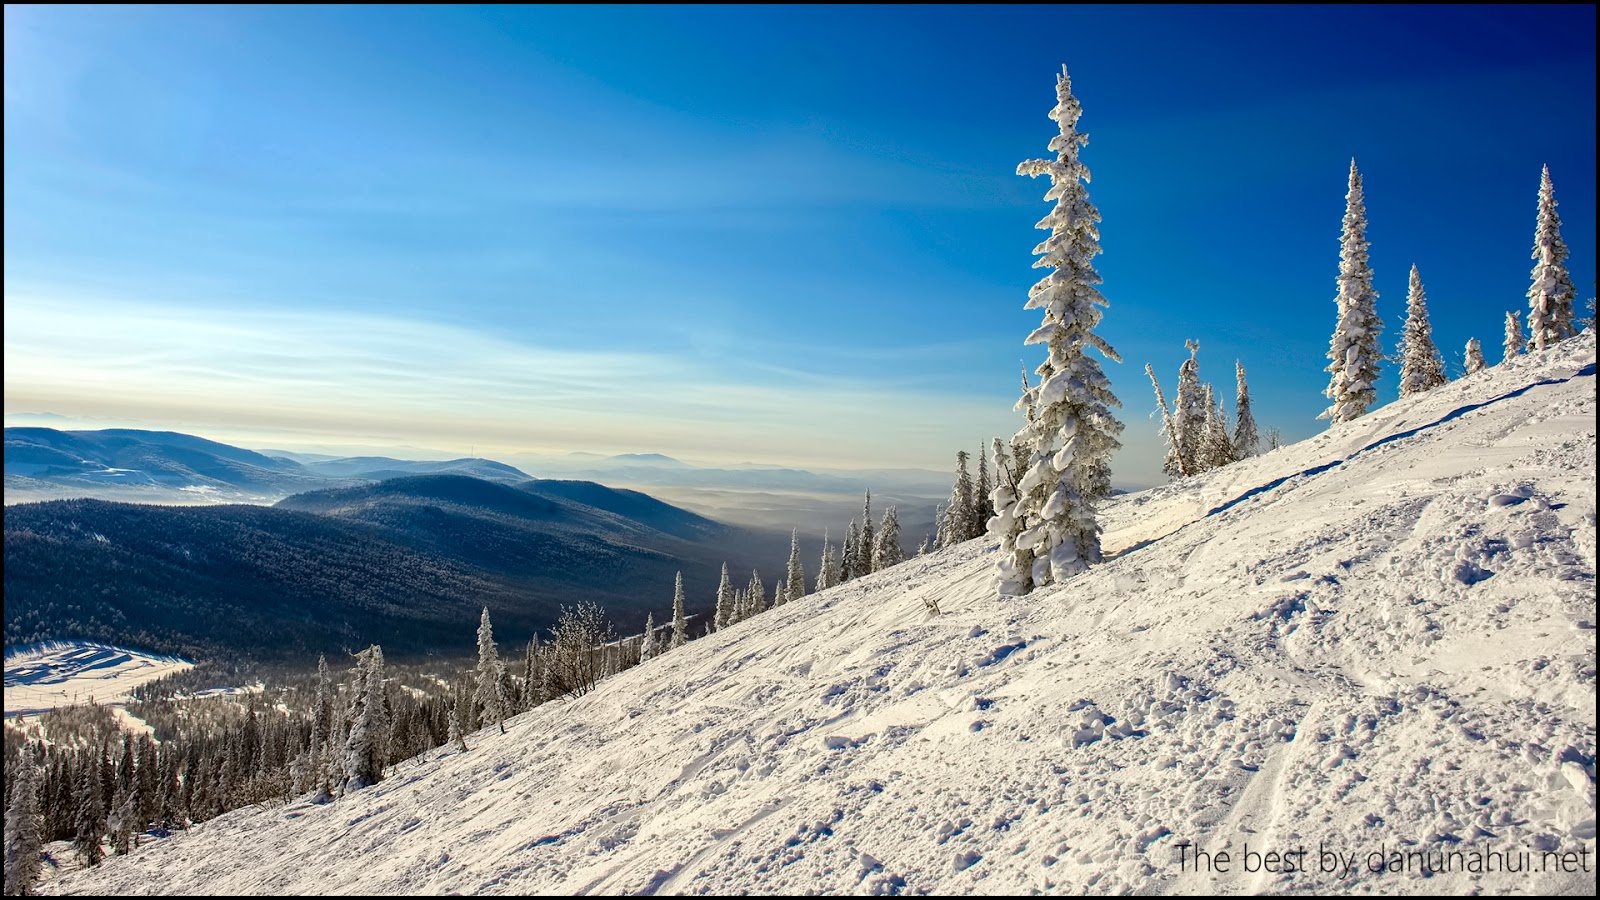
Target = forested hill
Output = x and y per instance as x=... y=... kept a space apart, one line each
x=401 y=563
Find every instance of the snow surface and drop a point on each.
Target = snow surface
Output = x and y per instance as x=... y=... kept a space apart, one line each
x=41 y=677
x=1381 y=637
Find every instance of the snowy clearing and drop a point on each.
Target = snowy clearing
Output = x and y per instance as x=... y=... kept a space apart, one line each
x=1377 y=640
x=42 y=677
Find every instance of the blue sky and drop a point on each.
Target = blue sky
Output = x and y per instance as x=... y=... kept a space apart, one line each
x=786 y=235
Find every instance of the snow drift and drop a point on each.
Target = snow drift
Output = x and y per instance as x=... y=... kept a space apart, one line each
x=1377 y=640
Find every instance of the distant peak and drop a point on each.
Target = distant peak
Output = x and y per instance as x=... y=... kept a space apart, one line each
x=659 y=459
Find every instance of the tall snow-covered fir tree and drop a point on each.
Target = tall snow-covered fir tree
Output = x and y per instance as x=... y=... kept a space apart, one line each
x=888 y=552
x=23 y=844
x=1216 y=448
x=850 y=560
x=90 y=822
x=1550 y=316
x=1246 y=442
x=1073 y=432
x=981 y=509
x=795 y=584
x=1189 y=418
x=1514 y=343
x=757 y=591
x=530 y=675
x=1353 y=353
x=490 y=698
x=725 y=613
x=1014 y=569
x=1171 y=462
x=455 y=735
x=647 y=643
x=1473 y=360
x=1421 y=366
x=828 y=566
x=961 y=512
x=322 y=753
x=680 y=625
x=865 y=543
x=369 y=721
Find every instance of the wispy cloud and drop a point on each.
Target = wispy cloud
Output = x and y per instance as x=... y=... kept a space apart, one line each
x=304 y=377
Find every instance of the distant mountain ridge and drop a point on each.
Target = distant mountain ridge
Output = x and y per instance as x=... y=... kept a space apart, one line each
x=150 y=457
x=165 y=466
x=647 y=459
x=382 y=468
x=401 y=562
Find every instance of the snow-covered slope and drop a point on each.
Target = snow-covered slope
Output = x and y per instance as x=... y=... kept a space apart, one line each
x=1378 y=639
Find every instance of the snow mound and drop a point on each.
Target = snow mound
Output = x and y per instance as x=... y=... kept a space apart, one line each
x=1380 y=640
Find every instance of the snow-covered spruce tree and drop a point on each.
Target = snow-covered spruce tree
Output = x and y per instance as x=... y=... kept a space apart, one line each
x=322 y=754
x=490 y=698
x=981 y=509
x=960 y=512
x=1073 y=432
x=1353 y=353
x=168 y=810
x=1189 y=419
x=1421 y=366
x=847 y=558
x=756 y=590
x=1216 y=449
x=549 y=684
x=1473 y=362
x=827 y=567
x=795 y=588
x=456 y=737
x=647 y=644
x=1014 y=568
x=865 y=544
x=725 y=613
x=366 y=746
x=1246 y=443
x=1550 y=296
x=23 y=845
x=530 y=675
x=1514 y=342
x=680 y=625
x=91 y=817
x=1225 y=442
x=1171 y=461
x=888 y=553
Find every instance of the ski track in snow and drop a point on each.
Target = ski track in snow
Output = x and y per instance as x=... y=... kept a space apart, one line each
x=1381 y=635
